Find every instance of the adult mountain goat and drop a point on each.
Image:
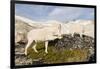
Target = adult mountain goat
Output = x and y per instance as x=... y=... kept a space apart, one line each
x=81 y=27
x=44 y=34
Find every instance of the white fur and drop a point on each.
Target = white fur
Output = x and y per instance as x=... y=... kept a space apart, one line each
x=81 y=27
x=44 y=34
x=18 y=37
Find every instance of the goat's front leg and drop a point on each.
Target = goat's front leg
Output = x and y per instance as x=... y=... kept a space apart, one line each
x=34 y=47
x=81 y=35
x=72 y=34
x=46 y=46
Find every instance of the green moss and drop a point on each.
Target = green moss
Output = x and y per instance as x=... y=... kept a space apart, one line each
x=58 y=56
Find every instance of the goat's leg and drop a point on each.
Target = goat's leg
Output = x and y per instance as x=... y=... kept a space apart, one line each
x=46 y=46
x=27 y=46
x=81 y=34
x=72 y=34
x=34 y=47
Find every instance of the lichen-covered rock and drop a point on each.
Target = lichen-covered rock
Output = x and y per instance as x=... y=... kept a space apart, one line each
x=73 y=42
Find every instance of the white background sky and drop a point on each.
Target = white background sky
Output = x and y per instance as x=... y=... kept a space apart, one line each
x=5 y=35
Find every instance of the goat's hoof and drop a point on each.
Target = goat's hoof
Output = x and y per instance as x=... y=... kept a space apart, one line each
x=26 y=54
x=36 y=51
x=46 y=52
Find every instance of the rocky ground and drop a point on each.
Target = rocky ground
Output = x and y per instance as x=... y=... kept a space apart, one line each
x=77 y=42
x=20 y=58
x=67 y=42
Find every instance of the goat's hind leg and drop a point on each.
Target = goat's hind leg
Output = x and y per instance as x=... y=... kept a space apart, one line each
x=46 y=46
x=27 y=46
x=34 y=47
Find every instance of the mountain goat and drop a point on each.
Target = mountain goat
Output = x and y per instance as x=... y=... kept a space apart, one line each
x=89 y=29
x=81 y=27
x=71 y=28
x=45 y=34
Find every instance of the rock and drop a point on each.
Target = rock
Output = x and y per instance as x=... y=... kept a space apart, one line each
x=75 y=41
x=20 y=58
x=72 y=42
x=37 y=61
